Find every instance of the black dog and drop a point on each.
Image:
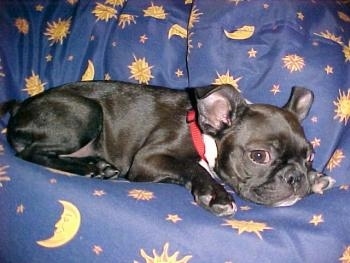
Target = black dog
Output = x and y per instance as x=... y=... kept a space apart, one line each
x=114 y=129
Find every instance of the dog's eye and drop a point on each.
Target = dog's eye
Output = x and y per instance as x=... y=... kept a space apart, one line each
x=260 y=156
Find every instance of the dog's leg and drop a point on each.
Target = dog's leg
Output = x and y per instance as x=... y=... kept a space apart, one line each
x=60 y=130
x=89 y=166
x=206 y=191
x=211 y=195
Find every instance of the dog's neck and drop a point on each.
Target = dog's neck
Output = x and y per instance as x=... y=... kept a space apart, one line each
x=204 y=144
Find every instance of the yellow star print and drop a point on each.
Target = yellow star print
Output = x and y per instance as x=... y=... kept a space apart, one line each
x=173 y=218
x=316 y=220
x=252 y=53
x=275 y=89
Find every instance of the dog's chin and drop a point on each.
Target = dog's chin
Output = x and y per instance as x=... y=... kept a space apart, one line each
x=275 y=197
x=275 y=202
x=287 y=202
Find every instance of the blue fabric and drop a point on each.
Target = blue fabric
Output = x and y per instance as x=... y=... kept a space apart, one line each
x=175 y=44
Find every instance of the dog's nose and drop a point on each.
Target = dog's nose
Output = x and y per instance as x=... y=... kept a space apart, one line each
x=293 y=178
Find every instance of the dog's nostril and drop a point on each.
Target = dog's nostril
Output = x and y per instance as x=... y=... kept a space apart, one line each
x=293 y=178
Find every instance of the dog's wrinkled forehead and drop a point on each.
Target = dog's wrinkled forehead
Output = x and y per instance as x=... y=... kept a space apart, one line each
x=267 y=118
x=222 y=107
x=266 y=124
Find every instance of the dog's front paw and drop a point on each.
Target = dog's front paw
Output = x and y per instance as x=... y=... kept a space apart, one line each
x=104 y=170
x=321 y=183
x=216 y=200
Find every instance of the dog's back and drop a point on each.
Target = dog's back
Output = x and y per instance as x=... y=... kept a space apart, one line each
x=109 y=120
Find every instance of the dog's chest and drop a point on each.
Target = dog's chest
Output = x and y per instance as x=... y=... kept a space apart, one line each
x=211 y=153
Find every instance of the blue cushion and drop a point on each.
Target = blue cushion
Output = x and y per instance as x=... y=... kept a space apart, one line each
x=261 y=47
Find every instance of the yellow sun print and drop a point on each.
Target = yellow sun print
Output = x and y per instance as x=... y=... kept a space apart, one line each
x=104 y=12
x=58 y=30
x=337 y=39
x=194 y=17
x=142 y=195
x=164 y=257
x=141 y=71
x=344 y=16
x=227 y=79
x=346 y=51
x=34 y=85
x=190 y=42
x=330 y=36
x=22 y=25
x=293 y=62
x=247 y=226
x=72 y=2
x=335 y=160
x=126 y=19
x=155 y=12
x=342 y=111
x=115 y=2
x=3 y=175
x=346 y=256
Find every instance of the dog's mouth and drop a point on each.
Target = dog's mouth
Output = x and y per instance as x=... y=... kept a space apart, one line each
x=282 y=192
x=276 y=195
x=283 y=187
x=274 y=199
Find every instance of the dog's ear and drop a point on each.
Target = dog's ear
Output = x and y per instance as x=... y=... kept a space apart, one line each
x=300 y=102
x=218 y=107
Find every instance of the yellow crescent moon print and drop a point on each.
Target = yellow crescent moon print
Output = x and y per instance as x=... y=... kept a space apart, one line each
x=241 y=33
x=177 y=30
x=66 y=227
x=89 y=72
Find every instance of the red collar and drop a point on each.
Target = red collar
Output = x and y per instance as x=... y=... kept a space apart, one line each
x=196 y=134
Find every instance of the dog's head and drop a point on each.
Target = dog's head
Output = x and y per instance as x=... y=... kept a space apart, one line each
x=262 y=151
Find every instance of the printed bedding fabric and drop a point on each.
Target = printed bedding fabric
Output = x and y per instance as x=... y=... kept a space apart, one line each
x=262 y=48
